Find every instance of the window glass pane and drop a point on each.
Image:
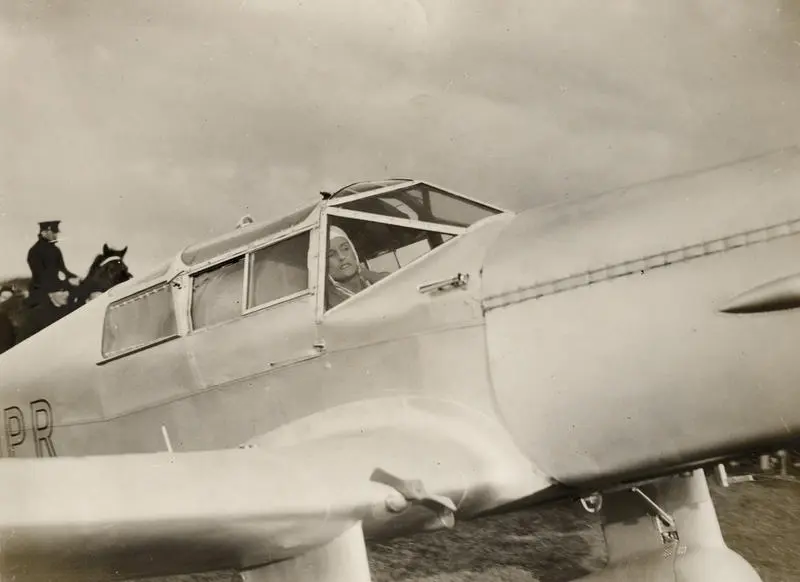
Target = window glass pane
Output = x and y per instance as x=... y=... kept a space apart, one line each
x=279 y=270
x=426 y=204
x=360 y=253
x=139 y=320
x=217 y=294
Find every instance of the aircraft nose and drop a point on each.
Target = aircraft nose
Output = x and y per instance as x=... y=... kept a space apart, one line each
x=610 y=350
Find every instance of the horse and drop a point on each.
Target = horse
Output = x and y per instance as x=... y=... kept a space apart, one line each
x=20 y=320
x=106 y=271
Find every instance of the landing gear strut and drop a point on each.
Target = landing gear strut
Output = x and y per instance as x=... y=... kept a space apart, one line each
x=343 y=559
x=668 y=531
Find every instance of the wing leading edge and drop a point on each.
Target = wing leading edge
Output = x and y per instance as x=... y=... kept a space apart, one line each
x=140 y=515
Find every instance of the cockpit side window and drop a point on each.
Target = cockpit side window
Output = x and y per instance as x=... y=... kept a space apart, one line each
x=138 y=321
x=279 y=271
x=268 y=275
x=359 y=253
x=217 y=294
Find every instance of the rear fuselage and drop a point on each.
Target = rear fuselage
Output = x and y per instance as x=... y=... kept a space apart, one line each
x=610 y=355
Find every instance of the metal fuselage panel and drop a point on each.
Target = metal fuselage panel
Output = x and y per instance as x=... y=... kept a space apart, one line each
x=609 y=354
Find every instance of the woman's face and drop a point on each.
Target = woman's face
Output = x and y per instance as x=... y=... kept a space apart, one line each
x=342 y=262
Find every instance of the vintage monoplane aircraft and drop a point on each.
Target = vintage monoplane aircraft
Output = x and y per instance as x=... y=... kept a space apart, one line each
x=399 y=355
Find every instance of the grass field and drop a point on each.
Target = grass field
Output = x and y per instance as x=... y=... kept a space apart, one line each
x=760 y=520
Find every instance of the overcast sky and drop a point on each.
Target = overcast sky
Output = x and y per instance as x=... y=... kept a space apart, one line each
x=155 y=124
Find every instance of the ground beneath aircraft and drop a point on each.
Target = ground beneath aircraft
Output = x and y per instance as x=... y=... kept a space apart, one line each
x=760 y=520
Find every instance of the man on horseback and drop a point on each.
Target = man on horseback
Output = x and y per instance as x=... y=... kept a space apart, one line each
x=51 y=280
x=56 y=291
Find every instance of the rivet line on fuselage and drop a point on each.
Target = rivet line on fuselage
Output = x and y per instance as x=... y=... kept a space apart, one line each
x=642 y=265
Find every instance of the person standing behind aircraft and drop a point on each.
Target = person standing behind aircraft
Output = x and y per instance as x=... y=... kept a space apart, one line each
x=346 y=276
x=48 y=270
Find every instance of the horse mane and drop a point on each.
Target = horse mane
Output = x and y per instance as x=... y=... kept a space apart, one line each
x=95 y=264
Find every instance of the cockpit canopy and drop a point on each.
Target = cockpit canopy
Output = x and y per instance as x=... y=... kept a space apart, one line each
x=412 y=200
x=367 y=231
x=393 y=222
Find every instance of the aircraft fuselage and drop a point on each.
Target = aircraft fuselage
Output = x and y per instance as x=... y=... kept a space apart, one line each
x=592 y=331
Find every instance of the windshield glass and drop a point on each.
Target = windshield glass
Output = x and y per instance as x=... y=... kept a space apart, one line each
x=424 y=203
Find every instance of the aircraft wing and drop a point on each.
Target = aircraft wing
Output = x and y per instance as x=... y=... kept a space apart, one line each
x=124 y=516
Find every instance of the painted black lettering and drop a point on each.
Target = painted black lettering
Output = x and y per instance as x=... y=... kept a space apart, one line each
x=14 y=428
x=43 y=427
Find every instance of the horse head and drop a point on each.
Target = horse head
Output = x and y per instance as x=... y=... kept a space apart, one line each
x=108 y=270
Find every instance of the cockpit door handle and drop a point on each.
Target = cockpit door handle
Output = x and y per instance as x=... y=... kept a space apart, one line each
x=460 y=280
x=777 y=295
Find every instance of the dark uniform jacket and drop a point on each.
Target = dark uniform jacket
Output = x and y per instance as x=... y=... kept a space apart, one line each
x=46 y=262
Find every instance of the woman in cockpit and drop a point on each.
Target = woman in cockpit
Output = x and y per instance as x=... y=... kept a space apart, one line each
x=346 y=276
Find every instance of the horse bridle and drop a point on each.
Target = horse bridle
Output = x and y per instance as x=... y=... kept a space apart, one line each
x=107 y=260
